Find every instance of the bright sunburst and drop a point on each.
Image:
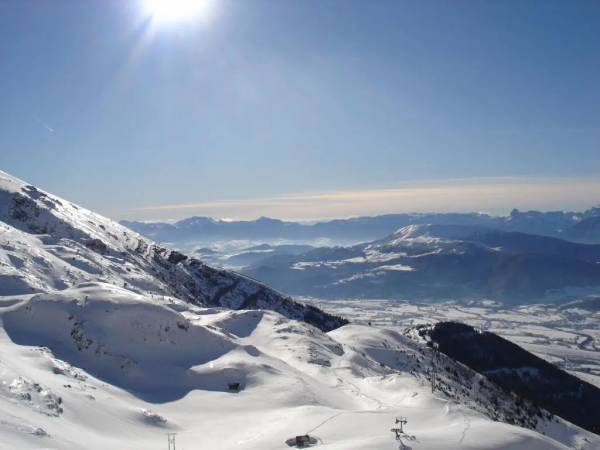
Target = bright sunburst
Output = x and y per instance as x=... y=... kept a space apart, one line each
x=179 y=10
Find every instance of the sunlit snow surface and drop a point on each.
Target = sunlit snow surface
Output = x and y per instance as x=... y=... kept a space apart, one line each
x=100 y=367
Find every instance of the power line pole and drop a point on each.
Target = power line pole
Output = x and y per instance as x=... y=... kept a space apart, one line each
x=171 y=440
x=398 y=430
x=401 y=421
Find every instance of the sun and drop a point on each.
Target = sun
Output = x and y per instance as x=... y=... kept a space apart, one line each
x=179 y=10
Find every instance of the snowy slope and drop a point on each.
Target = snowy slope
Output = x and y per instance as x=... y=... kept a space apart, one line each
x=109 y=341
x=47 y=243
x=100 y=367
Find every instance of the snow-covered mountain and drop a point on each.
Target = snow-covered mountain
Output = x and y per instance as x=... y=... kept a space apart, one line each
x=110 y=341
x=47 y=243
x=440 y=262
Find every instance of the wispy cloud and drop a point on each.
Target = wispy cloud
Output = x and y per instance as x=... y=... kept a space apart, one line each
x=43 y=124
x=494 y=195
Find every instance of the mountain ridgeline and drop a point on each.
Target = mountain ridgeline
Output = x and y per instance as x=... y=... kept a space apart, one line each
x=50 y=244
x=576 y=226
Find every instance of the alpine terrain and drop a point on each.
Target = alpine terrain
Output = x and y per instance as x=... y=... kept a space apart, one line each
x=108 y=340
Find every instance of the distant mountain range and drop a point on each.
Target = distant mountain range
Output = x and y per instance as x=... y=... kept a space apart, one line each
x=575 y=226
x=436 y=262
x=526 y=256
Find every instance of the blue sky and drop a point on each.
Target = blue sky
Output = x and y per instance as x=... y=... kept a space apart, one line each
x=269 y=100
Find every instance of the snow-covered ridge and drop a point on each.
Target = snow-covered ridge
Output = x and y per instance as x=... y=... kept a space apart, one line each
x=47 y=243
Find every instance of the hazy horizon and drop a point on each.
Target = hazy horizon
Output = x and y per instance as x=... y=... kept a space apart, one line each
x=496 y=196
